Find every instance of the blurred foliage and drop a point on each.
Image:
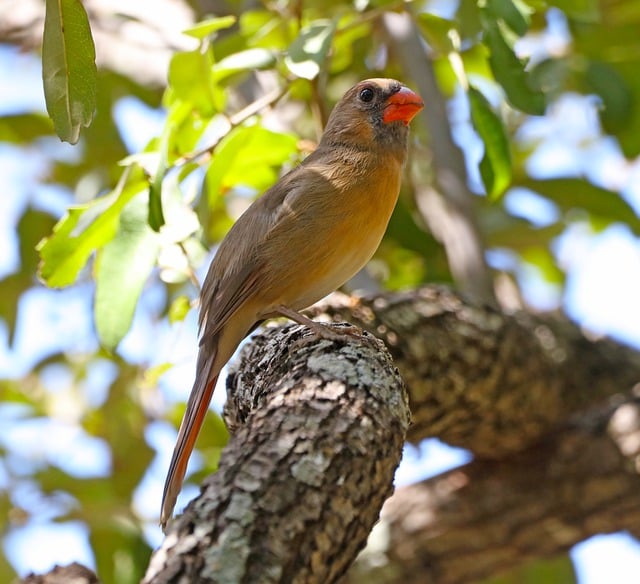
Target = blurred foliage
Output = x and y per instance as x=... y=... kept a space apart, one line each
x=242 y=106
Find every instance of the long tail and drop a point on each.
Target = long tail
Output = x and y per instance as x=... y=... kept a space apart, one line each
x=197 y=407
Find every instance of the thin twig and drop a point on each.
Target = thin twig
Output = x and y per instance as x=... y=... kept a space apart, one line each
x=235 y=120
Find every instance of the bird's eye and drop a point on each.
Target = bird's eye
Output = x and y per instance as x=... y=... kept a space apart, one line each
x=366 y=94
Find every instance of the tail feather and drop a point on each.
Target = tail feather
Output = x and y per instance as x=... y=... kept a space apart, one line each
x=194 y=415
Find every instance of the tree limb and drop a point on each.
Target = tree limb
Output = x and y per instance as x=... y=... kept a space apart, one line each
x=319 y=428
x=486 y=517
x=72 y=574
x=484 y=380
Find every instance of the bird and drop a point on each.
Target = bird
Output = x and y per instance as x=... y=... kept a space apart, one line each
x=302 y=239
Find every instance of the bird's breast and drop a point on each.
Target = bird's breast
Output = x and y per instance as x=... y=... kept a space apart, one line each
x=334 y=236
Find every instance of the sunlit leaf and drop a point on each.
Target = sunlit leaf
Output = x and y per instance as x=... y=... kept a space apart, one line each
x=152 y=375
x=23 y=128
x=122 y=269
x=178 y=113
x=397 y=267
x=250 y=59
x=82 y=230
x=68 y=67
x=207 y=27
x=468 y=19
x=179 y=309
x=437 y=31
x=247 y=157
x=347 y=42
x=518 y=234
x=262 y=29
x=190 y=80
x=122 y=552
x=495 y=166
x=308 y=52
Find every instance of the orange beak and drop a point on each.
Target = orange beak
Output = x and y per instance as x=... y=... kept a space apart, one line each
x=402 y=106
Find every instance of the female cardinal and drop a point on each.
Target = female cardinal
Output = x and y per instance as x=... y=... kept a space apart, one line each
x=305 y=237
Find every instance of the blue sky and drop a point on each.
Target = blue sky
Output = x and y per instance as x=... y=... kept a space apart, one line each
x=603 y=286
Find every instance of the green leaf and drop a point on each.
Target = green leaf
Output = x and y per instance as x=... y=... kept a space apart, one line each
x=514 y=13
x=123 y=266
x=545 y=262
x=191 y=81
x=24 y=128
x=617 y=98
x=309 y=50
x=581 y=10
x=247 y=156
x=349 y=42
x=152 y=375
x=509 y=71
x=179 y=309
x=261 y=28
x=155 y=214
x=437 y=31
x=207 y=27
x=68 y=68
x=178 y=113
x=251 y=59
x=33 y=225
x=404 y=230
x=495 y=166
x=82 y=230
x=572 y=194
x=400 y=268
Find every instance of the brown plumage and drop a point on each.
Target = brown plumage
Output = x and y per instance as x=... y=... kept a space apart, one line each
x=305 y=237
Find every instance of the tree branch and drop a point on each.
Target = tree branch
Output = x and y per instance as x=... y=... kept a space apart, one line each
x=319 y=428
x=484 y=380
x=486 y=517
x=72 y=574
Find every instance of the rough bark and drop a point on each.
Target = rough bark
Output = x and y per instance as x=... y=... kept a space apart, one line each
x=484 y=380
x=488 y=516
x=72 y=574
x=319 y=432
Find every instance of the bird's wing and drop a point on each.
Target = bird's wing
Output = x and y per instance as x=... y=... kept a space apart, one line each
x=239 y=267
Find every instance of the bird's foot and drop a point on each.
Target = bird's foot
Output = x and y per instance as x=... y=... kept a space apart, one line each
x=330 y=332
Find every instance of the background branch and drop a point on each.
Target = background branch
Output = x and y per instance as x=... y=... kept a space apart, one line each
x=487 y=517
x=447 y=207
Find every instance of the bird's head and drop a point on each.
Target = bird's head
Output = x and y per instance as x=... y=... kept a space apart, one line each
x=374 y=111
